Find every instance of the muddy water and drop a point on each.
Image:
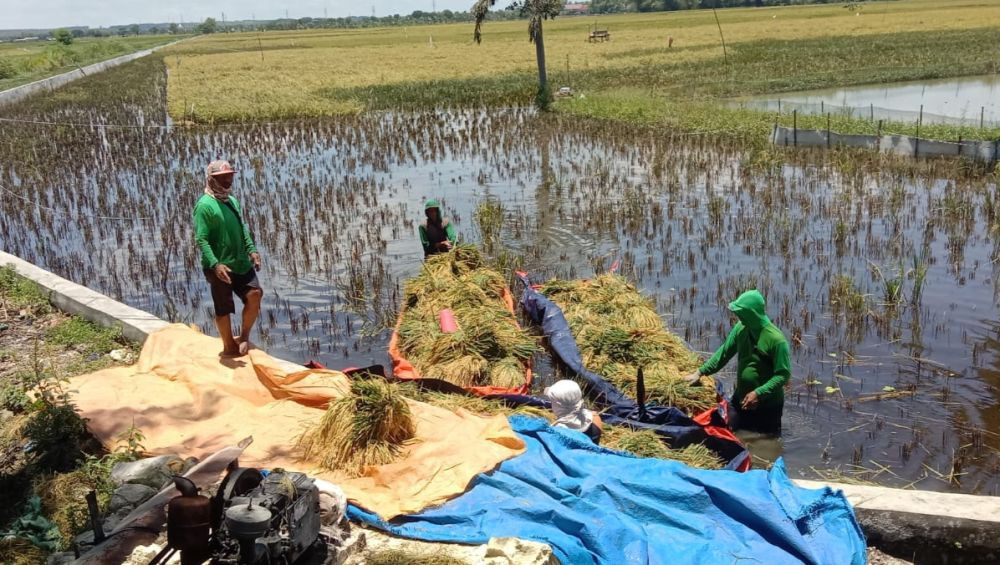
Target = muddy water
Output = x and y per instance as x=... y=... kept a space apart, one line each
x=334 y=206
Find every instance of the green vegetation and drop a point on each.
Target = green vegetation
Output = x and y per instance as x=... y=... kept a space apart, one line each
x=24 y=62
x=85 y=336
x=63 y=495
x=44 y=444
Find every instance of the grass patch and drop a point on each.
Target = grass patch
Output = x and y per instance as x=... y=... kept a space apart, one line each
x=18 y=291
x=89 y=338
x=27 y=61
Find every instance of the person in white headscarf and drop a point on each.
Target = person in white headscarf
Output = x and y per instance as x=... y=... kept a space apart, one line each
x=570 y=410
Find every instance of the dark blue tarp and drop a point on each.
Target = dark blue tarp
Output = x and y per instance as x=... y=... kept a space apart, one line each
x=616 y=407
x=595 y=505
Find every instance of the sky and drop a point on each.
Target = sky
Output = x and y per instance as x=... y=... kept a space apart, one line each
x=33 y=14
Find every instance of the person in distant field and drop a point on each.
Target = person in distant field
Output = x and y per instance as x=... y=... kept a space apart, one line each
x=437 y=235
x=763 y=366
x=229 y=257
x=570 y=411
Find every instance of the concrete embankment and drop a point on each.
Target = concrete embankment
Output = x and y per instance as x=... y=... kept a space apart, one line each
x=51 y=83
x=920 y=526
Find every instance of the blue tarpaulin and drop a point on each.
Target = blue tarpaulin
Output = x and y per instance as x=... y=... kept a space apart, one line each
x=595 y=505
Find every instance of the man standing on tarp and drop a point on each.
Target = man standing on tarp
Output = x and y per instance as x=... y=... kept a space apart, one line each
x=763 y=366
x=229 y=257
x=437 y=235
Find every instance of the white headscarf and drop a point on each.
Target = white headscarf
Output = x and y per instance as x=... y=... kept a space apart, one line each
x=567 y=404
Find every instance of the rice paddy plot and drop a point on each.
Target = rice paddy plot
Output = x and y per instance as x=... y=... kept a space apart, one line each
x=882 y=272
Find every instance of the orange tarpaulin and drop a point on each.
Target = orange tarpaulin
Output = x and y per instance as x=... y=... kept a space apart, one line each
x=403 y=369
x=187 y=401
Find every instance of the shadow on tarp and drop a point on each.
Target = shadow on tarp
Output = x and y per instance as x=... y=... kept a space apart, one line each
x=709 y=428
x=596 y=505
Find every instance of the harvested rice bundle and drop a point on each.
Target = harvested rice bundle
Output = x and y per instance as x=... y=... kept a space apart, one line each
x=488 y=348
x=475 y=404
x=618 y=330
x=646 y=443
x=366 y=427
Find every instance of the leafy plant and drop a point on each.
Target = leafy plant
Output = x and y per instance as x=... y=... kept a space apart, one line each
x=33 y=526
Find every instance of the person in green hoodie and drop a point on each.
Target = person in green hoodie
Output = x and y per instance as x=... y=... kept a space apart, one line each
x=763 y=366
x=229 y=257
x=437 y=235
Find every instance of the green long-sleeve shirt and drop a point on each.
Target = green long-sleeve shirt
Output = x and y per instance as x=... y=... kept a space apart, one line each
x=221 y=235
x=430 y=246
x=763 y=359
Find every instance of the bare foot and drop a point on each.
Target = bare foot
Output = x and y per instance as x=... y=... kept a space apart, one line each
x=231 y=348
x=244 y=347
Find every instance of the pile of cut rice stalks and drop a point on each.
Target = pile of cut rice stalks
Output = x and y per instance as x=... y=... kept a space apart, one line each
x=488 y=349
x=646 y=443
x=618 y=330
x=368 y=426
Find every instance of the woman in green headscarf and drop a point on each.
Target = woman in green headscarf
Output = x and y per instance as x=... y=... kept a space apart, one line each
x=437 y=235
x=763 y=366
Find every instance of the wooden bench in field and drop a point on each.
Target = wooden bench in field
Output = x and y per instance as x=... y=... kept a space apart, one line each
x=599 y=35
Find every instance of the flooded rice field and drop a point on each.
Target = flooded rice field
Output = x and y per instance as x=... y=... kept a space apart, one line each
x=884 y=277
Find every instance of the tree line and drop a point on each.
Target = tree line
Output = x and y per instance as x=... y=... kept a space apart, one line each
x=616 y=6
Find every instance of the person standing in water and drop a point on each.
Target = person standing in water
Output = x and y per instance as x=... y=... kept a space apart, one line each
x=437 y=235
x=229 y=257
x=763 y=366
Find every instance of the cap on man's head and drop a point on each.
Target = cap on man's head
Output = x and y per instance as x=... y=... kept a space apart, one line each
x=219 y=167
x=432 y=203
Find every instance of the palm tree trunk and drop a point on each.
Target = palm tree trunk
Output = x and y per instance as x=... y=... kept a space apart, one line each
x=540 y=56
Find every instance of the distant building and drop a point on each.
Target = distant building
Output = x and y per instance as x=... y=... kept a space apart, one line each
x=575 y=9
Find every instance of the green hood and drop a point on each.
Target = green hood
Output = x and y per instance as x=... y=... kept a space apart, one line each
x=432 y=203
x=749 y=308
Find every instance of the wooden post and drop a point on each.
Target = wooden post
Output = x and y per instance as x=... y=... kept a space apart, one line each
x=779 y=105
x=822 y=107
x=827 y=130
x=873 y=111
x=982 y=115
x=795 y=128
x=960 y=144
x=95 y=517
x=916 y=140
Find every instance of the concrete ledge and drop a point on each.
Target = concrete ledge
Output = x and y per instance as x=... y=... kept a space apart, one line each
x=925 y=526
x=72 y=298
x=47 y=84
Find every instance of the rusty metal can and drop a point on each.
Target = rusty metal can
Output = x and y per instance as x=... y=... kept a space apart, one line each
x=188 y=519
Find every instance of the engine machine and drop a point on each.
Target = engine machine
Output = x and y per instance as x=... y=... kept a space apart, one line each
x=252 y=520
